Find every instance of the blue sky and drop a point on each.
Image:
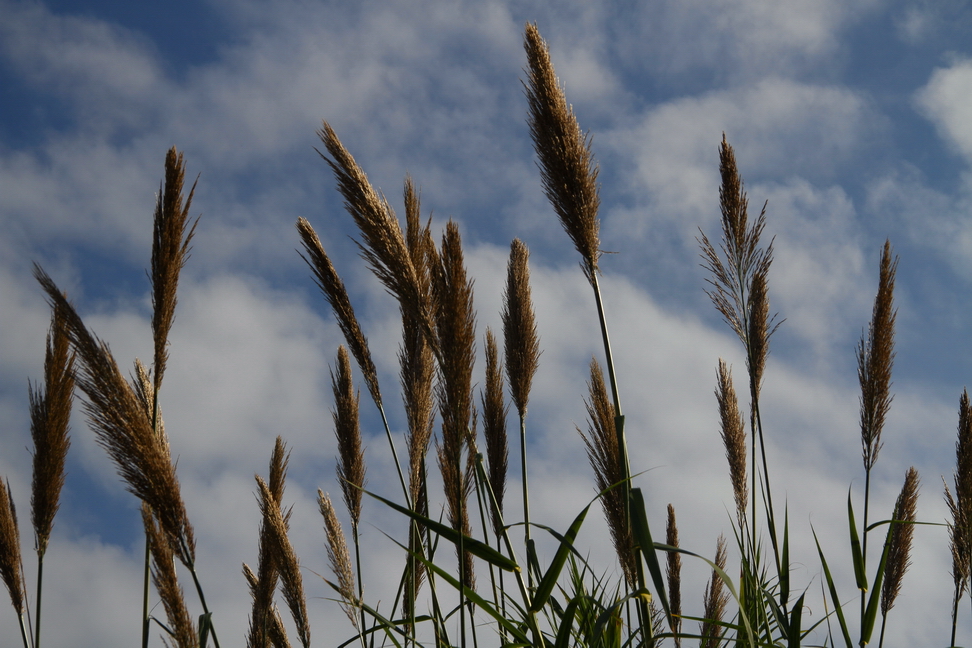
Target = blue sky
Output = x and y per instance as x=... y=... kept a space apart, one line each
x=853 y=119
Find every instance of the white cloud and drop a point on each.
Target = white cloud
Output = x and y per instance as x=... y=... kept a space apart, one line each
x=947 y=101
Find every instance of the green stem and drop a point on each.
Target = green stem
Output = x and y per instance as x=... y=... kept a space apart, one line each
x=202 y=597
x=40 y=583
x=357 y=557
x=526 y=498
x=24 y=631
x=867 y=493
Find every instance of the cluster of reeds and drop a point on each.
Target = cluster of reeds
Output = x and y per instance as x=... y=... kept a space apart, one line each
x=527 y=603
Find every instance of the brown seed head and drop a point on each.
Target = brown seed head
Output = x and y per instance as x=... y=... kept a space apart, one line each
x=383 y=245
x=50 y=414
x=167 y=583
x=170 y=251
x=285 y=559
x=602 y=452
x=519 y=327
x=494 y=428
x=567 y=167
x=899 y=551
x=122 y=428
x=715 y=601
x=351 y=465
x=339 y=557
x=674 y=569
x=875 y=358
x=11 y=566
x=960 y=528
x=336 y=294
x=734 y=438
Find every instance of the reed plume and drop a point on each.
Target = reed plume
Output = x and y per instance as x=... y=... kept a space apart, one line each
x=417 y=376
x=123 y=429
x=567 y=167
x=456 y=329
x=602 y=451
x=170 y=251
x=167 y=583
x=522 y=344
x=50 y=414
x=899 y=551
x=674 y=573
x=275 y=634
x=351 y=465
x=960 y=527
x=734 y=438
x=714 y=601
x=327 y=279
x=264 y=582
x=383 y=245
x=11 y=565
x=285 y=560
x=340 y=559
x=739 y=283
x=494 y=429
x=875 y=359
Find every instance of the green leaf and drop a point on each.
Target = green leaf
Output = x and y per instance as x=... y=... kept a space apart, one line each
x=642 y=538
x=833 y=592
x=475 y=547
x=793 y=641
x=546 y=586
x=205 y=625
x=870 y=615
x=566 y=623
x=859 y=574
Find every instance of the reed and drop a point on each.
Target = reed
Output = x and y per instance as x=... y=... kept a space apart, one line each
x=562 y=599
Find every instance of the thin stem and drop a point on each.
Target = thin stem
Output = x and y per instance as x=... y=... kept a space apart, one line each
x=357 y=558
x=526 y=498
x=955 y=602
x=24 y=631
x=40 y=582
x=202 y=600
x=398 y=465
x=867 y=492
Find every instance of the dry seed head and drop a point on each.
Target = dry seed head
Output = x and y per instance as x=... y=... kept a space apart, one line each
x=170 y=251
x=674 y=569
x=899 y=551
x=383 y=245
x=351 y=465
x=285 y=559
x=456 y=328
x=50 y=414
x=875 y=359
x=960 y=528
x=11 y=566
x=264 y=582
x=740 y=267
x=494 y=428
x=734 y=438
x=167 y=583
x=715 y=601
x=602 y=452
x=122 y=428
x=336 y=294
x=339 y=557
x=567 y=167
x=519 y=327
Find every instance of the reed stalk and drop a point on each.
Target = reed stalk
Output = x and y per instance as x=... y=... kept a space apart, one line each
x=899 y=551
x=960 y=507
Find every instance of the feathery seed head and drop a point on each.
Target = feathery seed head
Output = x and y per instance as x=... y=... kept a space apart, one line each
x=674 y=569
x=11 y=566
x=519 y=327
x=50 y=414
x=339 y=557
x=167 y=583
x=170 y=251
x=734 y=438
x=899 y=551
x=336 y=294
x=494 y=428
x=875 y=359
x=351 y=465
x=567 y=167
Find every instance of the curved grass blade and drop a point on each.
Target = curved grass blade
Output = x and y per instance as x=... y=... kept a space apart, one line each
x=833 y=592
x=642 y=538
x=475 y=547
x=546 y=586
x=859 y=574
x=870 y=615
